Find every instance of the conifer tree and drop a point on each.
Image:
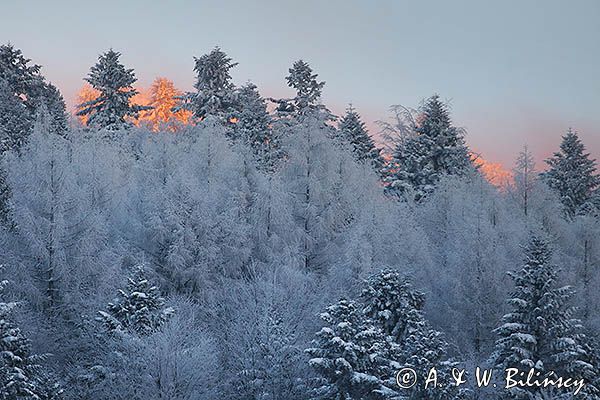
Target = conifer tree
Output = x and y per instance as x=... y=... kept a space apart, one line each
x=23 y=90
x=305 y=82
x=112 y=108
x=23 y=78
x=5 y=194
x=445 y=142
x=138 y=309
x=252 y=125
x=85 y=94
x=348 y=354
x=15 y=120
x=308 y=89
x=397 y=308
x=572 y=174
x=21 y=375
x=214 y=90
x=55 y=106
x=411 y=174
x=436 y=148
x=354 y=132
x=540 y=332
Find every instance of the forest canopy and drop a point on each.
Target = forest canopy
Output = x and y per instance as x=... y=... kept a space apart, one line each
x=220 y=244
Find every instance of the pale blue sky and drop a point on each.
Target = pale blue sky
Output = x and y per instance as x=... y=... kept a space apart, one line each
x=515 y=72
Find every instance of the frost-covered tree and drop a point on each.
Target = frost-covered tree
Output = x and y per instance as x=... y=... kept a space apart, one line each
x=214 y=90
x=313 y=159
x=353 y=132
x=85 y=94
x=21 y=375
x=349 y=353
x=436 y=148
x=15 y=120
x=252 y=125
x=308 y=89
x=163 y=98
x=179 y=362
x=397 y=308
x=525 y=177
x=572 y=174
x=23 y=90
x=411 y=173
x=391 y=301
x=54 y=104
x=112 y=108
x=473 y=232
x=23 y=78
x=5 y=193
x=42 y=217
x=445 y=142
x=261 y=328
x=138 y=308
x=541 y=332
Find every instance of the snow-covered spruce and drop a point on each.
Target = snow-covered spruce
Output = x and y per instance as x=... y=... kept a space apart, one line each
x=112 y=109
x=394 y=306
x=434 y=149
x=251 y=125
x=353 y=132
x=541 y=331
x=214 y=93
x=349 y=353
x=308 y=89
x=23 y=90
x=139 y=308
x=21 y=375
x=572 y=175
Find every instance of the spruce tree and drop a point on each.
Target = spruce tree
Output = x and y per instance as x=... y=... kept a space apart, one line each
x=23 y=90
x=252 y=125
x=21 y=375
x=23 y=78
x=437 y=148
x=138 y=309
x=214 y=90
x=447 y=149
x=5 y=195
x=572 y=174
x=410 y=173
x=112 y=108
x=85 y=94
x=397 y=308
x=540 y=332
x=15 y=120
x=352 y=130
x=308 y=89
x=55 y=106
x=305 y=82
x=348 y=355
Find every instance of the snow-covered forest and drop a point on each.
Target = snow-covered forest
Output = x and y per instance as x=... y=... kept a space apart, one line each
x=266 y=249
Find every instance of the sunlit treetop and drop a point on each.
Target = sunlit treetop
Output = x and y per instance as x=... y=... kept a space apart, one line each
x=162 y=99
